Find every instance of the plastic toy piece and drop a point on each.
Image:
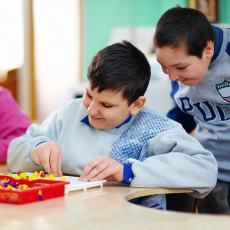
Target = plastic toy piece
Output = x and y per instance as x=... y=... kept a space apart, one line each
x=36 y=173
x=16 y=177
x=32 y=177
x=40 y=195
x=62 y=178
x=23 y=176
x=10 y=174
x=42 y=174
x=19 y=172
x=51 y=176
x=1 y=174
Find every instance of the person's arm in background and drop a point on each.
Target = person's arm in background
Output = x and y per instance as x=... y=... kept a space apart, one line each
x=13 y=122
x=178 y=115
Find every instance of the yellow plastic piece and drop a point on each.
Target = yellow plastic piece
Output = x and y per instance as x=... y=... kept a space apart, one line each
x=62 y=178
x=23 y=176
x=1 y=174
x=36 y=173
x=40 y=173
x=32 y=177
x=51 y=176
x=16 y=177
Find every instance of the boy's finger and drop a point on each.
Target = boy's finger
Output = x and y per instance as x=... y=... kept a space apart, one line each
x=91 y=165
x=36 y=158
x=102 y=175
x=45 y=160
x=40 y=152
x=59 y=172
x=54 y=155
x=96 y=170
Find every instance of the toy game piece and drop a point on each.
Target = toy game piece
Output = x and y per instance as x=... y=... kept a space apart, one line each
x=51 y=177
x=19 y=172
x=40 y=195
x=62 y=178
x=32 y=177
x=23 y=176
x=36 y=174
x=10 y=174
x=16 y=177
x=1 y=174
x=42 y=174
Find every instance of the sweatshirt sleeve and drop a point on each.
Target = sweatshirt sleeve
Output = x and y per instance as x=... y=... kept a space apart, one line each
x=20 y=152
x=177 y=160
x=178 y=115
x=13 y=122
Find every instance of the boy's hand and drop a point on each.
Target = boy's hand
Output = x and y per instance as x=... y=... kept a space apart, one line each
x=102 y=168
x=49 y=154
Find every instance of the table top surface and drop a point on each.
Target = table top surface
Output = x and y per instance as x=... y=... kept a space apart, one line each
x=103 y=208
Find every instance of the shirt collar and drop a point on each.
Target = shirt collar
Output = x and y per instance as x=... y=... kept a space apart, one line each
x=218 y=42
x=85 y=120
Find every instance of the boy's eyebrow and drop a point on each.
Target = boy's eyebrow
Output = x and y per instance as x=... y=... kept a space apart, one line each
x=179 y=63
x=105 y=102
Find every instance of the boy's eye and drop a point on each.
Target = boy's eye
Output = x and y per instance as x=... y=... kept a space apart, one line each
x=181 y=67
x=89 y=95
x=107 y=106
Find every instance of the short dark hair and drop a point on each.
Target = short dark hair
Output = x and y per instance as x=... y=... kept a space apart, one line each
x=120 y=66
x=184 y=28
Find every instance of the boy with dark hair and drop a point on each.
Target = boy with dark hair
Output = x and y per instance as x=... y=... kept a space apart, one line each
x=110 y=134
x=196 y=56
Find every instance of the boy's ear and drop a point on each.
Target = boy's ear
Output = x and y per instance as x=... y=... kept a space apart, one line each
x=209 y=49
x=137 y=105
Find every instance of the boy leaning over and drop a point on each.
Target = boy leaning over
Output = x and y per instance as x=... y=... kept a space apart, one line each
x=196 y=56
x=110 y=134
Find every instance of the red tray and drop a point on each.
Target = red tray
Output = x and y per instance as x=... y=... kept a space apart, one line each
x=39 y=190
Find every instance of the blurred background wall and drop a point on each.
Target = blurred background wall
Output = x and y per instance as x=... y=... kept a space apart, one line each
x=46 y=46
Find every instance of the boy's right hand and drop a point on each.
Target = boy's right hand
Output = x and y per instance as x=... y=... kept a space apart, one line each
x=49 y=154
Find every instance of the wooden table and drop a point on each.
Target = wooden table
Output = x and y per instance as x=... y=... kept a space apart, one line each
x=102 y=208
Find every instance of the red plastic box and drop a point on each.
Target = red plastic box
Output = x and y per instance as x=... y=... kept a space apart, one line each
x=39 y=190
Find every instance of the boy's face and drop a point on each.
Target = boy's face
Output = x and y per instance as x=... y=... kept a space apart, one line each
x=106 y=110
x=187 y=69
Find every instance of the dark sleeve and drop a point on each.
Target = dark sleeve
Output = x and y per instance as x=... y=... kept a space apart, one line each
x=178 y=115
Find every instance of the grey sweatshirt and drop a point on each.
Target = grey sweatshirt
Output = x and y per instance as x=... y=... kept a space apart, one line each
x=209 y=103
x=162 y=154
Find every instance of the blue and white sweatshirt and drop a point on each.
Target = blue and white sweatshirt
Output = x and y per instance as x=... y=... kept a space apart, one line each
x=206 y=105
x=162 y=154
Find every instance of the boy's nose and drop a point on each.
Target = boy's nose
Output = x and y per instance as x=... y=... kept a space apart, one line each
x=92 y=109
x=174 y=76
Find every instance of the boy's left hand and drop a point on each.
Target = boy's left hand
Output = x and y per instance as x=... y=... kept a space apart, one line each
x=102 y=168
